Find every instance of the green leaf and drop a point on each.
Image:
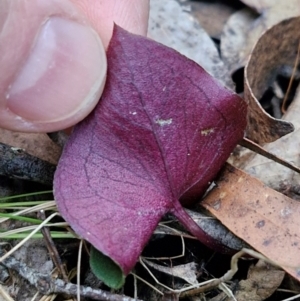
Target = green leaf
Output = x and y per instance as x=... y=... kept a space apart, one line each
x=106 y=269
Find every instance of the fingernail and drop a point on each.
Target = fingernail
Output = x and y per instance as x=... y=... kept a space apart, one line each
x=62 y=75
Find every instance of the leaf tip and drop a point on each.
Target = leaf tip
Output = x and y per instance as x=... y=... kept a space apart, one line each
x=106 y=269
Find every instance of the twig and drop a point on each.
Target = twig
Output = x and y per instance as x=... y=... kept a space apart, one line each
x=16 y=163
x=79 y=268
x=259 y=150
x=292 y=298
x=22 y=242
x=283 y=106
x=52 y=248
x=46 y=285
x=5 y=295
x=275 y=104
x=146 y=282
x=219 y=282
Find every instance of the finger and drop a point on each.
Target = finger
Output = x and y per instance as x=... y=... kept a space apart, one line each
x=132 y=15
x=53 y=65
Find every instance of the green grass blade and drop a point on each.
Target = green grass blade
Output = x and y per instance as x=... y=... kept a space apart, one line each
x=54 y=235
x=21 y=218
x=22 y=204
x=3 y=199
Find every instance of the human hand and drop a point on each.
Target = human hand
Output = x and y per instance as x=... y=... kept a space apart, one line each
x=53 y=64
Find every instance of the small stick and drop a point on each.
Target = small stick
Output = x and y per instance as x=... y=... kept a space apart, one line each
x=23 y=241
x=52 y=248
x=228 y=275
x=245 y=142
x=5 y=294
x=283 y=106
x=79 y=268
x=16 y=163
x=46 y=285
x=292 y=298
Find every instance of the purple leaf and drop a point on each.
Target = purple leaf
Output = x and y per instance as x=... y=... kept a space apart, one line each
x=162 y=130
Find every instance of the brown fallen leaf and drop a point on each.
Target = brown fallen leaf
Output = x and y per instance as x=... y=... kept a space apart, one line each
x=185 y=34
x=271 y=13
x=286 y=147
x=276 y=48
x=275 y=9
x=187 y=272
x=211 y=15
x=264 y=218
x=262 y=281
x=38 y=145
x=234 y=38
x=261 y=5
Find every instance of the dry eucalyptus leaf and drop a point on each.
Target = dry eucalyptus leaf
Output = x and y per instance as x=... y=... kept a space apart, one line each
x=264 y=218
x=38 y=145
x=261 y=5
x=276 y=48
x=272 y=12
x=275 y=9
x=187 y=271
x=211 y=15
x=287 y=147
x=264 y=278
x=234 y=39
x=173 y=25
x=244 y=28
x=162 y=229
x=262 y=281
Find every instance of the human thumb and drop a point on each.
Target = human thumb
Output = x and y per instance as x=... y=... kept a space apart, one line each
x=53 y=65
